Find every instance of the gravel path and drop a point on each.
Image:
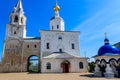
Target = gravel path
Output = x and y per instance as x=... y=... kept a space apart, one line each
x=50 y=76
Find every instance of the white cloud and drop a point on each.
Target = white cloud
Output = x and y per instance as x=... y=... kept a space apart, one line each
x=106 y=20
x=93 y=29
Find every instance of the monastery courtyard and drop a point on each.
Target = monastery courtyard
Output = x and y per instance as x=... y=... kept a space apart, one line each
x=50 y=76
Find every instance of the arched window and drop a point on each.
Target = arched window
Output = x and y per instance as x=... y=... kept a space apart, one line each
x=81 y=65
x=16 y=19
x=47 y=45
x=35 y=46
x=60 y=50
x=52 y=27
x=60 y=38
x=57 y=26
x=15 y=32
x=28 y=46
x=48 y=66
x=73 y=46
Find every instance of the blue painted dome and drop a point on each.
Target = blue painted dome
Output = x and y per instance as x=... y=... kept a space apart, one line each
x=107 y=48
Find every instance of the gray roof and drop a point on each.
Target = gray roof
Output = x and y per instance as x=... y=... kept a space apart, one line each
x=31 y=38
x=61 y=31
x=61 y=55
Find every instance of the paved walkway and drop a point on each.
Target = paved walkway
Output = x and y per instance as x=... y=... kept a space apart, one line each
x=50 y=76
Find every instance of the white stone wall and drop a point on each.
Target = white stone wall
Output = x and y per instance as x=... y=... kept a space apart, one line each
x=68 y=38
x=11 y=51
x=31 y=50
x=75 y=65
x=16 y=54
x=19 y=29
x=56 y=65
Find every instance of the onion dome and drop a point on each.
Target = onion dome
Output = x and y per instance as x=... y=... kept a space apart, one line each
x=108 y=49
x=56 y=8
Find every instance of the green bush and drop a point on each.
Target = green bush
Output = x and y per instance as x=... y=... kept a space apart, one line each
x=91 y=66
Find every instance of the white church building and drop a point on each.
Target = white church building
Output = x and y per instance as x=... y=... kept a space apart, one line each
x=57 y=50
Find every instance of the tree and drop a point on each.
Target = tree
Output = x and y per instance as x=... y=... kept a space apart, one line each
x=91 y=66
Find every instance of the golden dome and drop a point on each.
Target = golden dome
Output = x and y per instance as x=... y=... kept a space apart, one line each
x=56 y=8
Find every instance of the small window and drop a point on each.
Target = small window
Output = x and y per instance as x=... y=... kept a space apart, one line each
x=60 y=50
x=47 y=45
x=81 y=65
x=15 y=32
x=73 y=46
x=35 y=46
x=57 y=26
x=52 y=27
x=28 y=46
x=16 y=19
x=59 y=37
x=48 y=66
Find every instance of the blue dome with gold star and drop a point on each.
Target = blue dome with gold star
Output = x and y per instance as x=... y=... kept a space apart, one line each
x=108 y=49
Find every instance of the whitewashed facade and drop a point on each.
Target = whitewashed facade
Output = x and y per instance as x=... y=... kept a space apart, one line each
x=57 y=50
x=64 y=40
x=57 y=59
x=60 y=50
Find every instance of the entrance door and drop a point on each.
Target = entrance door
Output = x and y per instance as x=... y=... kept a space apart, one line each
x=66 y=66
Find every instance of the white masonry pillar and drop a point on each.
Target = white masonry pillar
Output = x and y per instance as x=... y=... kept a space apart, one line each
x=109 y=73
x=97 y=71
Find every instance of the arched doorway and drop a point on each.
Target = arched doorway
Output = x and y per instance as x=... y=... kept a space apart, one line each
x=33 y=64
x=113 y=65
x=102 y=66
x=66 y=66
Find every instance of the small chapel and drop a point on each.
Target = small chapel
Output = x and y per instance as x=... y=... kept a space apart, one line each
x=58 y=51
x=107 y=60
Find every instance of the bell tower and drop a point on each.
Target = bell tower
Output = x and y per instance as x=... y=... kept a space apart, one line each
x=57 y=23
x=17 y=25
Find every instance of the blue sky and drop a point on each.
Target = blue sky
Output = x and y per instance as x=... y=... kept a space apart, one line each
x=91 y=17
